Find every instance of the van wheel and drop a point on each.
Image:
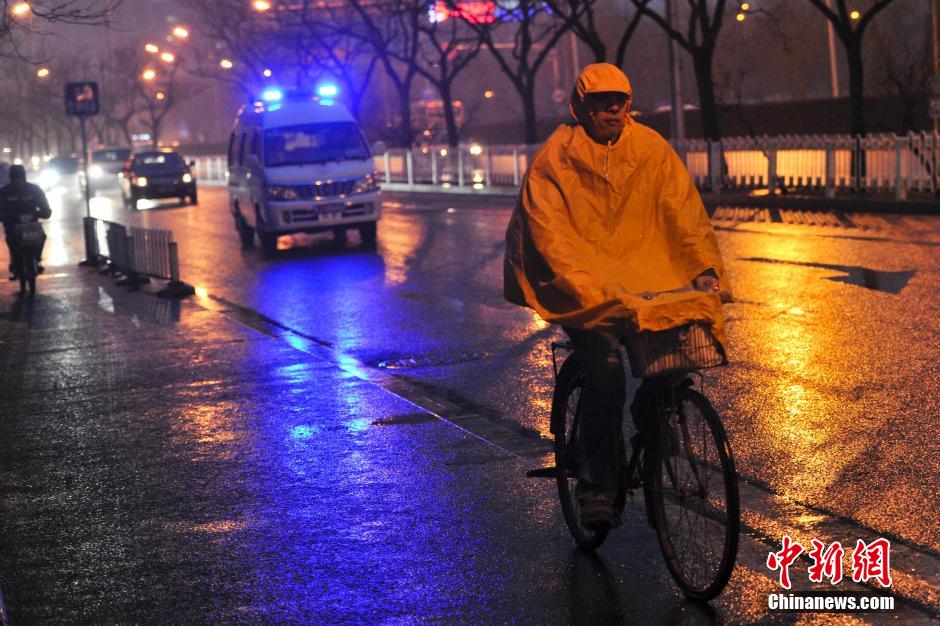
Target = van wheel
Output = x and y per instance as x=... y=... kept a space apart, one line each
x=268 y=243
x=368 y=232
x=339 y=236
x=245 y=232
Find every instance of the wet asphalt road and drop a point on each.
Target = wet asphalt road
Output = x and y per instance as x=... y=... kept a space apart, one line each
x=215 y=407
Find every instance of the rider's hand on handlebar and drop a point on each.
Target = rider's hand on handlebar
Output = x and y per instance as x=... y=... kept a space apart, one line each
x=706 y=283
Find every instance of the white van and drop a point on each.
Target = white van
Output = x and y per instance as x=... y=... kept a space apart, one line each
x=300 y=164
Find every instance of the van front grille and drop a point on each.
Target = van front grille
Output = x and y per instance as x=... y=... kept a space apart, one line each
x=326 y=189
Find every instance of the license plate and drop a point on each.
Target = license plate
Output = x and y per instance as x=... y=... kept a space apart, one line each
x=334 y=207
x=166 y=189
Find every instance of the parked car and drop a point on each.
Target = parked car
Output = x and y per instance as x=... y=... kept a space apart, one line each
x=157 y=174
x=61 y=174
x=106 y=165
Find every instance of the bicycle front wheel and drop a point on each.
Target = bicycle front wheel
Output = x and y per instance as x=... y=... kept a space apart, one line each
x=695 y=495
x=566 y=416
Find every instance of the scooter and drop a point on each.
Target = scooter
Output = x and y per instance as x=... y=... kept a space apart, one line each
x=27 y=240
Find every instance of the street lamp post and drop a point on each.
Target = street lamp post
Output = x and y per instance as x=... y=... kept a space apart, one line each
x=833 y=68
x=677 y=116
x=935 y=81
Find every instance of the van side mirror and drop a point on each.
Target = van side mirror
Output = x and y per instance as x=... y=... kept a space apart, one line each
x=192 y=163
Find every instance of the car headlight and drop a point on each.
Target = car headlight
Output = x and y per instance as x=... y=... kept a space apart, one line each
x=141 y=181
x=187 y=177
x=282 y=192
x=49 y=177
x=367 y=185
x=95 y=171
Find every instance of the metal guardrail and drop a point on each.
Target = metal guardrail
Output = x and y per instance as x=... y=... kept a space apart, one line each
x=815 y=163
x=137 y=254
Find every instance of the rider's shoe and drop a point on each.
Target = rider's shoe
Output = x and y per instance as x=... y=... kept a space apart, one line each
x=599 y=514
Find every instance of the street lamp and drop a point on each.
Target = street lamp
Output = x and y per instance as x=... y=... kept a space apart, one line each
x=148 y=74
x=180 y=33
x=226 y=64
x=167 y=57
x=43 y=72
x=20 y=9
x=160 y=95
x=261 y=5
x=152 y=48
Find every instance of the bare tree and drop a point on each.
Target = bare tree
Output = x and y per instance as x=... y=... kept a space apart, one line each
x=536 y=32
x=235 y=33
x=15 y=21
x=391 y=28
x=328 y=51
x=447 y=48
x=850 y=27
x=698 y=39
x=581 y=15
x=904 y=70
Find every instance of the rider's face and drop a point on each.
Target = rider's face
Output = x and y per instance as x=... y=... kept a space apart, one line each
x=608 y=112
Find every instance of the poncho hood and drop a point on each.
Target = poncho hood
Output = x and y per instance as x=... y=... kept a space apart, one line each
x=596 y=78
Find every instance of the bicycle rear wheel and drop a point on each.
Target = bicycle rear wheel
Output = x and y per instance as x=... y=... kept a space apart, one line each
x=566 y=414
x=695 y=495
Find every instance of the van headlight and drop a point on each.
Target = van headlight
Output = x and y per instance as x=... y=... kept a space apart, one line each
x=282 y=192
x=95 y=171
x=187 y=177
x=367 y=185
x=141 y=181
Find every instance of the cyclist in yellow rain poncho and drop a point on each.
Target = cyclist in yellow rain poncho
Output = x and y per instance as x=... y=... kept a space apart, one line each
x=607 y=217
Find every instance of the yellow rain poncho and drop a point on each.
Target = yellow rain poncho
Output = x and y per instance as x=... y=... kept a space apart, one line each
x=597 y=229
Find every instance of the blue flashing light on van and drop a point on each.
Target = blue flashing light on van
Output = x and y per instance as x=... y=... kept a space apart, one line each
x=327 y=91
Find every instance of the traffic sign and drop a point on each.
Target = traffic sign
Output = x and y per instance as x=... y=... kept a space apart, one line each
x=81 y=99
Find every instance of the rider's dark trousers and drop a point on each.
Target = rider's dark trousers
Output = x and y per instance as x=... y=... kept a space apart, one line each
x=602 y=400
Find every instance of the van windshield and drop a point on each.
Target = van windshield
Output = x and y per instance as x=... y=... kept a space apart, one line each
x=314 y=143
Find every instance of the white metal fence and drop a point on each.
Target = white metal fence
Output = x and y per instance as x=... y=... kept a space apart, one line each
x=814 y=163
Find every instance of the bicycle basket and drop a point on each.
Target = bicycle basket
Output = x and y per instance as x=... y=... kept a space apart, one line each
x=28 y=234
x=681 y=349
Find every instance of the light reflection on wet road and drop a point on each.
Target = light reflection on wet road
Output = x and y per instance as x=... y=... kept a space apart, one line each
x=830 y=399
x=837 y=372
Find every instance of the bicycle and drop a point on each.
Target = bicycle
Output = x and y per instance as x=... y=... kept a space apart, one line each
x=680 y=457
x=27 y=240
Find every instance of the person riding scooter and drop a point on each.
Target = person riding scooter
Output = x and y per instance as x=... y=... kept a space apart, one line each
x=20 y=202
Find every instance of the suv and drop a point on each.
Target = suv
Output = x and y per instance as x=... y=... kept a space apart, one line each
x=157 y=174
x=106 y=165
